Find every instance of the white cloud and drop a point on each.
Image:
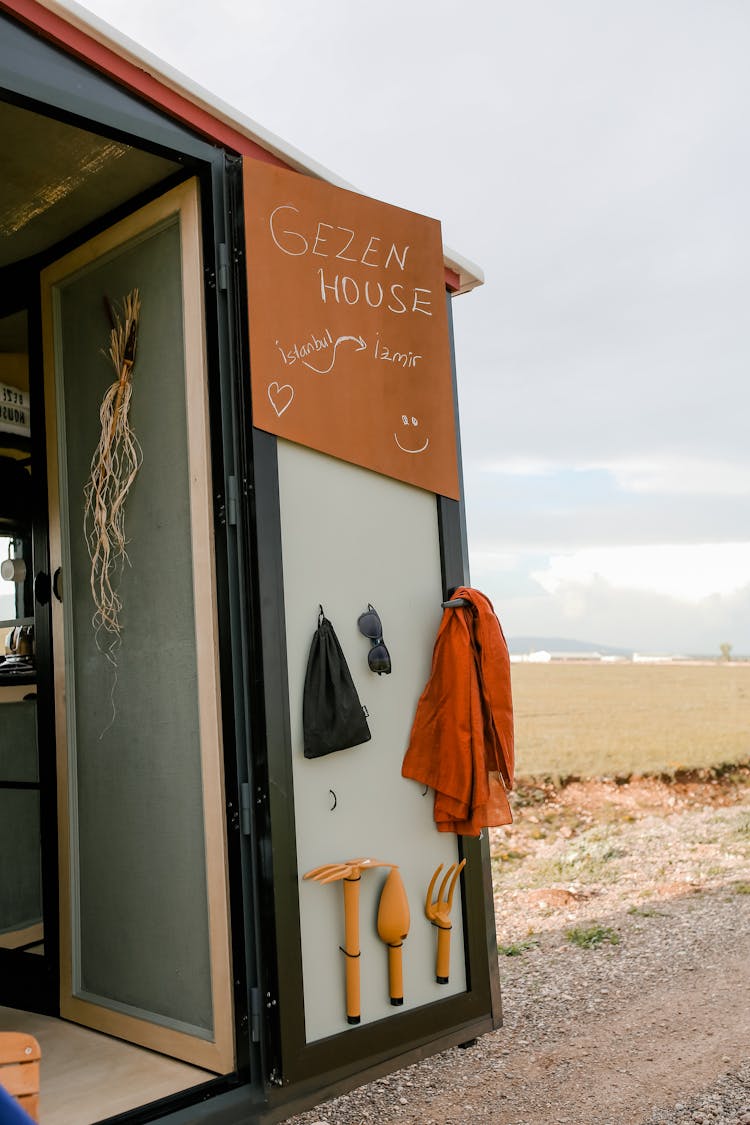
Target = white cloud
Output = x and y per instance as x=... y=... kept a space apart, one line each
x=688 y=572
x=495 y=561
x=681 y=476
x=666 y=475
x=523 y=467
x=635 y=620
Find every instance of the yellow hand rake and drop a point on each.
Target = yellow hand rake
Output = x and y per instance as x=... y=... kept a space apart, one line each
x=350 y=873
x=439 y=913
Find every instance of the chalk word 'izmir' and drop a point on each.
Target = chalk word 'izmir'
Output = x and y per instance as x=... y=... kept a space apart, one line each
x=402 y=359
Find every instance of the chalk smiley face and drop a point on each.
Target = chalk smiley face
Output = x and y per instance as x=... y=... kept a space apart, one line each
x=410 y=442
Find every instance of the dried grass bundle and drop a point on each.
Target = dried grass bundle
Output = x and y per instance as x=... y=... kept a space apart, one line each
x=114 y=467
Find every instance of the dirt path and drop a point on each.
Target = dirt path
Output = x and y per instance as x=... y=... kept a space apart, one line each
x=648 y=1019
x=658 y=1049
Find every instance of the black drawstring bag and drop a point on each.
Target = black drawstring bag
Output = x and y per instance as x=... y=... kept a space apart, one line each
x=332 y=716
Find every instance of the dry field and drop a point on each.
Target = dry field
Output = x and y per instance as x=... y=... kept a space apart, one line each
x=604 y=720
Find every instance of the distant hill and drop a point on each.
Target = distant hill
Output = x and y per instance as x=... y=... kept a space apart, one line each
x=519 y=646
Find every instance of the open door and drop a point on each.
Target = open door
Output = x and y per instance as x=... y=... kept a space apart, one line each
x=144 y=931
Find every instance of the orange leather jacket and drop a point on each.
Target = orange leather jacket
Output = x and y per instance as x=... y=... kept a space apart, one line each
x=461 y=743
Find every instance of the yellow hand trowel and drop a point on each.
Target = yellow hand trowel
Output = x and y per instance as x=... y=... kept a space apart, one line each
x=393 y=926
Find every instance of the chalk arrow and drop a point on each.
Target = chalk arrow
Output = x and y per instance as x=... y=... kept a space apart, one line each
x=358 y=340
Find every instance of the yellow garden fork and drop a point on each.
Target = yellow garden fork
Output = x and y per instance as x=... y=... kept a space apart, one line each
x=350 y=873
x=439 y=913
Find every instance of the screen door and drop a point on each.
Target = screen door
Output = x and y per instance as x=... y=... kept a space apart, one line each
x=143 y=886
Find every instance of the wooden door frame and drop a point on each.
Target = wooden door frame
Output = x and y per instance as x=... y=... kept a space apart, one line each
x=217 y=1054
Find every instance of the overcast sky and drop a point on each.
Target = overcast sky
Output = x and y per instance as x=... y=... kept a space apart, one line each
x=593 y=156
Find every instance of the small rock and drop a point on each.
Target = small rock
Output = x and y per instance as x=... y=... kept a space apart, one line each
x=550 y=896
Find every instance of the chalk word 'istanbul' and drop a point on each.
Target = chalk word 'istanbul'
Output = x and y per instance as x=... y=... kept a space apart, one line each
x=311 y=345
x=346 y=290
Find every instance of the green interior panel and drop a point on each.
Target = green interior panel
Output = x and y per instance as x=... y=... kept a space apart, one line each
x=20 y=860
x=18 y=753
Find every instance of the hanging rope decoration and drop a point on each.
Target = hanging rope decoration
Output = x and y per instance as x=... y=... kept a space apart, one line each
x=114 y=467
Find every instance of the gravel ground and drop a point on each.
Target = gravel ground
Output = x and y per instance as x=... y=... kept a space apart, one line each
x=647 y=1022
x=727 y=1100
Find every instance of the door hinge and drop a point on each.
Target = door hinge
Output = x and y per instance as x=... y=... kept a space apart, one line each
x=245 y=809
x=232 y=501
x=222 y=262
x=255 y=1015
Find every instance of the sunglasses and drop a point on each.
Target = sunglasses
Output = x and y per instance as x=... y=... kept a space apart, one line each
x=378 y=658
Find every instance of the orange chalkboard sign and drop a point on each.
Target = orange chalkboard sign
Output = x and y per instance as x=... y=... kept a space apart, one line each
x=349 y=345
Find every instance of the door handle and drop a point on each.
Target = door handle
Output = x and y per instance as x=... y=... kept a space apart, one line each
x=57 y=587
x=42 y=587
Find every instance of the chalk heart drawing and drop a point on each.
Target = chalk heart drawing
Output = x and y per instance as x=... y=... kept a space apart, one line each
x=280 y=397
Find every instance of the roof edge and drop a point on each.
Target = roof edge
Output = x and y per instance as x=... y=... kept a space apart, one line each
x=468 y=273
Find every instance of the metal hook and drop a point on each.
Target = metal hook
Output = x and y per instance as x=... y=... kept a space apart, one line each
x=335 y=800
x=424 y=791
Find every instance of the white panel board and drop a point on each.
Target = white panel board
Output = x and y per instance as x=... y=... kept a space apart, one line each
x=349 y=537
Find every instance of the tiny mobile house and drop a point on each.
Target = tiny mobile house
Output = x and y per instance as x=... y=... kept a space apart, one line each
x=273 y=437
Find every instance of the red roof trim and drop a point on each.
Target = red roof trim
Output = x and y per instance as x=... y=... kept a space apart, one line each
x=452 y=280
x=53 y=27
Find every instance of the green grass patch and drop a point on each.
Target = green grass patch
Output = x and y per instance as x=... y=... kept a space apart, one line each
x=741 y=888
x=588 y=937
x=588 y=859
x=517 y=948
x=509 y=856
x=646 y=912
x=742 y=831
